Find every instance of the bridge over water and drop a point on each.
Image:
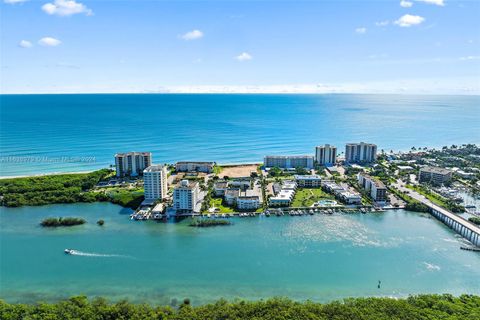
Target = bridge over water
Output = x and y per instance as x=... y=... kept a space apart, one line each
x=465 y=228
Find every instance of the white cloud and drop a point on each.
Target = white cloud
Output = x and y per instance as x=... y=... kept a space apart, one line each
x=382 y=23
x=66 y=8
x=244 y=56
x=467 y=58
x=193 y=35
x=409 y=20
x=14 y=1
x=361 y=30
x=435 y=2
x=406 y=4
x=25 y=44
x=49 y=42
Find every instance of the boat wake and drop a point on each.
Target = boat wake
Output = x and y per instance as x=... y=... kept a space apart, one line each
x=93 y=254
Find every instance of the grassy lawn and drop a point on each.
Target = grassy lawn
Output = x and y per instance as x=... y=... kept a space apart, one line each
x=306 y=197
x=217 y=203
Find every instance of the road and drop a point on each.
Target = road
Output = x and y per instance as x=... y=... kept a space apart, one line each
x=415 y=195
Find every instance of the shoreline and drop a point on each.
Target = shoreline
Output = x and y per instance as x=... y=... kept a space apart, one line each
x=48 y=174
x=225 y=165
x=399 y=151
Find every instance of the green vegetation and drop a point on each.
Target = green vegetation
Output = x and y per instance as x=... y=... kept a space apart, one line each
x=422 y=307
x=62 y=188
x=412 y=204
x=416 y=206
x=129 y=198
x=475 y=220
x=62 y=222
x=218 y=203
x=203 y=223
x=276 y=172
x=217 y=169
x=437 y=199
x=306 y=197
x=302 y=171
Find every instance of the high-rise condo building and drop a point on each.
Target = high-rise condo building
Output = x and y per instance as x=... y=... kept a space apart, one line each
x=360 y=152
x=185 y=196
x=155 y=182
x=326 y=155
x=132 y=163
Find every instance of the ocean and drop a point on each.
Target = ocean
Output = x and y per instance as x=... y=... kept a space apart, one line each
x=67 y=133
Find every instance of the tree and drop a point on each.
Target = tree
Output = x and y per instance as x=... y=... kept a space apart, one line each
x=301 y=171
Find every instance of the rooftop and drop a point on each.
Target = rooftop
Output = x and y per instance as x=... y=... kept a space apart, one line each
x=123 y=154
x=186 y=184
x=248 y=197
x=375 y=181
x=435 y=170
x=361 y=143
x=232 y=192
x=197 y=162
x=154 y=168
x=307 y=177
x=221 y=184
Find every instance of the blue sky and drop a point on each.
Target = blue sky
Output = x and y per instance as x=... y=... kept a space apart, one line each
x=428 y=46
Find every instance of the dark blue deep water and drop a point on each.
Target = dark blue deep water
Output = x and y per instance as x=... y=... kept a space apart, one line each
x=47 y=133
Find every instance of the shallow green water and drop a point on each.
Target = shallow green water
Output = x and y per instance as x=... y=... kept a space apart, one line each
x=312 y=257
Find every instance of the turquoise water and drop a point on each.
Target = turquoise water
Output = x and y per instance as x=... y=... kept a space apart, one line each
x=317 y=257
x=49 y=132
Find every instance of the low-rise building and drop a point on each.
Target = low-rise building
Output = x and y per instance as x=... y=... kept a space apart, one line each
x=466 y=175
x=283 y=198
x=231 y=196
x=248 y=202
x=285 y=195
x=434 y=175
x=405 y=168
x=289 y=162
x=158 y=209
x=220 y=187
x=350 y=197
x=308 y=181
x=289 y=185
x=240 y=183
x=341 y=193
x=186 y=197
x=194 y=166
